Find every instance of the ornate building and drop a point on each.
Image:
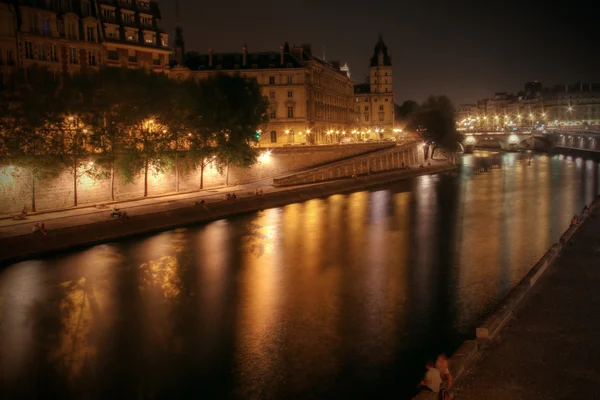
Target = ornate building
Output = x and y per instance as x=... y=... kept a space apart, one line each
x=311 y=100
x=66 y=35
x=374 y=101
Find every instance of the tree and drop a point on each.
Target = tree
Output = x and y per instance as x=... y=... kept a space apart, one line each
x=230 y=112
x=404 y=112
x=435 y=121
x=30 y=114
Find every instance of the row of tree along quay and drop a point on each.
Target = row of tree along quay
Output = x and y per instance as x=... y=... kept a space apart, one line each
x=126 y=123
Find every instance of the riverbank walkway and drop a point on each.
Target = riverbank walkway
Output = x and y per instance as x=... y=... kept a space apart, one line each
x=84 y=225
x=550 y=349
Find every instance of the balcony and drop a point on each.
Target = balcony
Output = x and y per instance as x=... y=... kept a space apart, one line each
x=133 y=59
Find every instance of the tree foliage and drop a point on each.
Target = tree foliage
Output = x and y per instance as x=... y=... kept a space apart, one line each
x=405 y=111
x=435 y=120
x=127 y=122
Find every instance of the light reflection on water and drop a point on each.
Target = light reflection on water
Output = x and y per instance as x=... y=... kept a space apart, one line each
x=339 y=297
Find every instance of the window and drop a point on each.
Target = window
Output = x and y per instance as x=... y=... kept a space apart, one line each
x=113 y=55
x=273 y=137
x=91 y=57
x=90 y=34
x=386 y=99
x=29 y=50
x=127 y=17
x=41 y=52
x=132 y=58
x=365 y=99
x=381 y=118
x=290 y=112
x=386 y=81
x=289 y=79
x=375 y=100
x=156 y=61
x=366 y=117
x=147 y=21
x=86 y=8
x=130 y=37
x=386 y=74
x=45 y=26
x=271 y=80
x=52 y=51
x=72 y=55
x=381 y=107
x=272 y=94
x=273 y=113
x=357 y=100
x=59 y=25
x=375 y=81
x=71 y=30
x=290 y=94
x=106 y=13
x=9 y=58
x=366 y=108
x=386 y=89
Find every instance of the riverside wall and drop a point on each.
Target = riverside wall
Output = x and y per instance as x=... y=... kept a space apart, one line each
x=55 y=193
x=489 y=329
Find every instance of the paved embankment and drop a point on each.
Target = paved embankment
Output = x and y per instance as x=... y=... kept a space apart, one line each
x=541 y=342
x=96 y=226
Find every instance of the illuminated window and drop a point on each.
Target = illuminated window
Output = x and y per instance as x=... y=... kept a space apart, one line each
x=72 y=55
x=273 y=137
x=290 y=110
x=91 y=57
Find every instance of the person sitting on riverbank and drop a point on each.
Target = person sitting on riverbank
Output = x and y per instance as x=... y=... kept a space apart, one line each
x=441 y=363
x=233 y=196
x=41 y=228
x=228 y=196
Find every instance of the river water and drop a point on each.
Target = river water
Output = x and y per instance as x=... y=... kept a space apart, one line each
x=340 y=297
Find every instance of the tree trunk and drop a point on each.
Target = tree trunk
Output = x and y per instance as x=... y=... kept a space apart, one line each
x=112 y=180
x=202 y=175
x=32 y=190
x=177 y=172
x=75 y=184
x=146 y=177
x=227 y=176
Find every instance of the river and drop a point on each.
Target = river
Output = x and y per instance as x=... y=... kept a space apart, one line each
x=340 y=297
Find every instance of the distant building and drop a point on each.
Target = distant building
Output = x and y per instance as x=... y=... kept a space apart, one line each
x=536 y=106
x=374 y=101
x=311 y=100
x=66 y=35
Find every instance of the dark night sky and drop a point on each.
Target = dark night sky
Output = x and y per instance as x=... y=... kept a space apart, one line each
x=467 y=50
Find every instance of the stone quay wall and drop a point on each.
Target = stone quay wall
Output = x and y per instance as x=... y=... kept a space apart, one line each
x=396 y=157
x=489 y=329
x=58 y=193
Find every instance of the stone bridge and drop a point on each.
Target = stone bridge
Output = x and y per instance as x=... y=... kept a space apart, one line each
x=396 y=157
x=508 y=141
x=586 y=140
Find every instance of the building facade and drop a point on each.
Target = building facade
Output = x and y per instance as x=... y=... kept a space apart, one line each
x=311 y=100
x=563 y=106
x=374 y=101
x=67 y=35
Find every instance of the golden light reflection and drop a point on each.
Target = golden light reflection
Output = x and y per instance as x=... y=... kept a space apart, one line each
x=259 y=330
x=84 y=308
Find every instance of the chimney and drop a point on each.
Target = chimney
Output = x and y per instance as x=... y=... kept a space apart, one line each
x=281 y=55
x=244 y=55
x=210 y=57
